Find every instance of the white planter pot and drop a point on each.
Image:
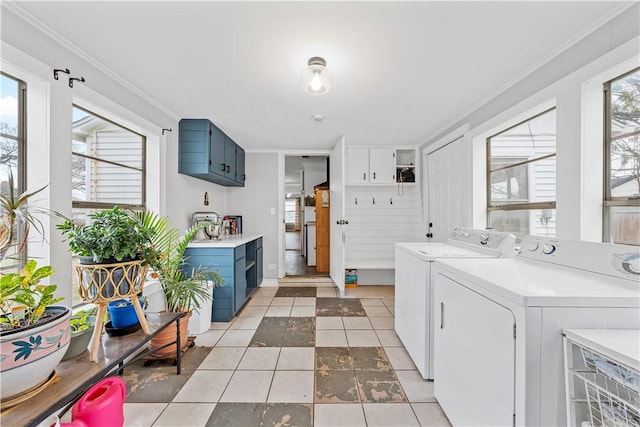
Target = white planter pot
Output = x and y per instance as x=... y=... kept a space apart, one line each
x=28 y=356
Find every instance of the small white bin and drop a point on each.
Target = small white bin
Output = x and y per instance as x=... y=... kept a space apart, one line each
x=200 y=321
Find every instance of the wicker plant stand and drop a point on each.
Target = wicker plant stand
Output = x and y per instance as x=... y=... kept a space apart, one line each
x=102 y=283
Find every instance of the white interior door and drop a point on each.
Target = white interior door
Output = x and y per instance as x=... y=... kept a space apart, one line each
x=448 y=189
x=336 y=215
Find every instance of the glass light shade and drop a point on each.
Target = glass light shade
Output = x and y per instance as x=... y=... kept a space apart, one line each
x=316 y=79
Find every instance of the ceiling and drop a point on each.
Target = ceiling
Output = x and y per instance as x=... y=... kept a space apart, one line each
x=402 y=71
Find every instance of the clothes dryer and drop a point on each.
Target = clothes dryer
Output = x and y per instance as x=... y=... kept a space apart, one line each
x=414 y=292
x=498 y=337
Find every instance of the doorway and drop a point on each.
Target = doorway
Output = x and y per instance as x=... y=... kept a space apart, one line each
x=303 y=174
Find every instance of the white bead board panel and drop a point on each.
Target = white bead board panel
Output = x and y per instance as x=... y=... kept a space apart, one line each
x=374 y=228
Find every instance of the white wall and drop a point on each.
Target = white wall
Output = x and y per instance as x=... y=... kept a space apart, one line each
x=315 y=172
x=254 y=202
x=560 y=82
x=30 y=55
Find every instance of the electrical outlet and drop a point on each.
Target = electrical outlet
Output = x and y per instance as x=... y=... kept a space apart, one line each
x=271 y=266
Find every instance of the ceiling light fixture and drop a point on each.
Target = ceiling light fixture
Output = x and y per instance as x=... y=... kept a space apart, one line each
x=316 y=79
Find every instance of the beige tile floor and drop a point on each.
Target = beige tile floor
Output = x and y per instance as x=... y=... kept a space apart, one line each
x=233 y=371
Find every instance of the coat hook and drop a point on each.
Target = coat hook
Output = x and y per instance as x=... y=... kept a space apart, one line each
x=168 y=130
x=60 y=70
x=78 y=79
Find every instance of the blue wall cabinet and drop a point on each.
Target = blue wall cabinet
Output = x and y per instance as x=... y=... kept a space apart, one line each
x=241 y=269
x=206 y=152
x=240 y=171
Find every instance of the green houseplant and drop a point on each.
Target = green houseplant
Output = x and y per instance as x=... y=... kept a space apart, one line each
x=34 y=333
x=82 y=324
x=112 y=235
x=184 y=291
x=113 y=242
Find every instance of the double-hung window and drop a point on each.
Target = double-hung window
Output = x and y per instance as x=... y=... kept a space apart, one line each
x=12 y=151
x=521 y=177
x=622 y=159
x=108 y=167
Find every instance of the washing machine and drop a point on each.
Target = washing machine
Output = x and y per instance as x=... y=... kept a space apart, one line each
x=498 y=333
x=414 y=291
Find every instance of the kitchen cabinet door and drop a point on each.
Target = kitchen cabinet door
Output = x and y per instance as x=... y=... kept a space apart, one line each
x=229 y=158
x=240 y=282
x=259 y=259
x=357 y=166
x=217 y=142
x=194 y=152
x=382 y=165
x=240 y=170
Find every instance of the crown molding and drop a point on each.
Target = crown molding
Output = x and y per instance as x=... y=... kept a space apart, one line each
x=49 y=32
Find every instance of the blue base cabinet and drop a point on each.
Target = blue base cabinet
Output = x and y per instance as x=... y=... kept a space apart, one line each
x=241 y=269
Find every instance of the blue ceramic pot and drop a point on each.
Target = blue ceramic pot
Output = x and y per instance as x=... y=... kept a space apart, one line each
x=122 y=312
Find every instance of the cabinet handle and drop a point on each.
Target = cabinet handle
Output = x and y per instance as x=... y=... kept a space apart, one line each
x=374 y=175
x=228 y=168
x=441 y=315
x=364 y=176
x=222 y=168
x=244 y=176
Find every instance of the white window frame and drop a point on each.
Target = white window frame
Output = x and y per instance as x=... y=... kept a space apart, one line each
x=610 y=201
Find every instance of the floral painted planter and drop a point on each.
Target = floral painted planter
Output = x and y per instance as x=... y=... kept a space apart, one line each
x=28 y=356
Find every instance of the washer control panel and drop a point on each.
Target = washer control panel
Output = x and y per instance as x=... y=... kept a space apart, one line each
x=605 y=258
x=496 y=240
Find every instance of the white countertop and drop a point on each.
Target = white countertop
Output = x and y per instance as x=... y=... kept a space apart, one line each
x=536 y=284
x=225 y=241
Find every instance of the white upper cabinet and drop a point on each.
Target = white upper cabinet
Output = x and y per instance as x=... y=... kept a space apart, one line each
x=371 y=165
x=382 y=165
x=357 y=166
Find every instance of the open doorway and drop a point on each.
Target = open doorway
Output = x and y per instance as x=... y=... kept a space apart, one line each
x=304 y=236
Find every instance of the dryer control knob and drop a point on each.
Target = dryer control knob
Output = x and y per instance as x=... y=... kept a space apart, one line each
x=533 y=246
x=548 y=249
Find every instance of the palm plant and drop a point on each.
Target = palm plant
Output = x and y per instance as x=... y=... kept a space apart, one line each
x=23 y=300
x=165 y=255
x=14 y=211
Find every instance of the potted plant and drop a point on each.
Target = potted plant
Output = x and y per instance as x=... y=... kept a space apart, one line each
x=111 y=266
x=111 y=243
x=184 y=291
x=82 y=324
x=34 y=333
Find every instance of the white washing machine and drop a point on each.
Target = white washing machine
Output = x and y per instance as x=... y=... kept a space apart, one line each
x=498 y=338
x=413 y=289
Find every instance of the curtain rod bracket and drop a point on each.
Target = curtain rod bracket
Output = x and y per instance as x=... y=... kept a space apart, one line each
x=60 y=70
x=165 y=129
x=77 y=79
